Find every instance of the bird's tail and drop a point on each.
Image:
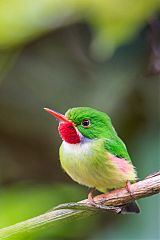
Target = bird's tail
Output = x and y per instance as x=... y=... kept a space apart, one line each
x=131 y=207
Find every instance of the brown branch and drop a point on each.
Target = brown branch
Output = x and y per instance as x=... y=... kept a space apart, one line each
x=109 y=201
x=144 y=188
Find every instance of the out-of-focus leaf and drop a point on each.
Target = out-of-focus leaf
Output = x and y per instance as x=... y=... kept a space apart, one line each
x=23 y=20
x=18 y=203
x=7 y=59
x=114 y=22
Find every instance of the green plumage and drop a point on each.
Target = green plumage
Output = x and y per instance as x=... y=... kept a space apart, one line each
x=101 y=159
x=117 y=148
x=92 y=153
x=101 y=127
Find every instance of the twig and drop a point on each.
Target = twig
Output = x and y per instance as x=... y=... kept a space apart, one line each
x=110 y=201
x=154 y=47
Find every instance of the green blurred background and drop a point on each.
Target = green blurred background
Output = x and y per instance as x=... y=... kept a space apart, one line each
x=61 y=54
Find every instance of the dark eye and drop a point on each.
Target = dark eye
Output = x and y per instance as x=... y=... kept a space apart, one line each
x=86 y=123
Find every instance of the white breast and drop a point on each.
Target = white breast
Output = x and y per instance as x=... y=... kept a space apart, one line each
x=77 y=150
x=82 y=161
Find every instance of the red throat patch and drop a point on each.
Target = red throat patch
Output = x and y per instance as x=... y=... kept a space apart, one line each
x=68 y=132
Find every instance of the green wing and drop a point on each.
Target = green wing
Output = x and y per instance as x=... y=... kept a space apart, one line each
x=117 y=148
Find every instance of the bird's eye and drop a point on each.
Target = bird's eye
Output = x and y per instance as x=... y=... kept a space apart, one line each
x=86 y=123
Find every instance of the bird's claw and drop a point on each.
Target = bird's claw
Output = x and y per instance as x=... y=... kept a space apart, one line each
x=99 y=206
x=129 y=189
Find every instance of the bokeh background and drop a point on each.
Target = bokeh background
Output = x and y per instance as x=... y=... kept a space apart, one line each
x=62 y=54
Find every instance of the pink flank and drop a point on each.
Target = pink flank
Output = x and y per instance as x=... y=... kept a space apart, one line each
x=122 y=164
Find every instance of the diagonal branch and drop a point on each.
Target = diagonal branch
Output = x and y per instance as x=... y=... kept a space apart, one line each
x=110 y=201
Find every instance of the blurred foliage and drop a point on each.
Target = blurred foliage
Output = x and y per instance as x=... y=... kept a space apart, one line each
x=7 y=59
x=114 y=22
x=57 y=71
x=21 y=202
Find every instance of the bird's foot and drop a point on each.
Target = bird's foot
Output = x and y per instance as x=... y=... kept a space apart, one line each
x=91 y=197
x=129 y=189
x=91 y=200
x=99 y=206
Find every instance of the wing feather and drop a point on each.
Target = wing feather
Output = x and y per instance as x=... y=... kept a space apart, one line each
x=117 y=148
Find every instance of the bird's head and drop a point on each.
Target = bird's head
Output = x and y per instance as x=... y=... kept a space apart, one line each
x=82 y=123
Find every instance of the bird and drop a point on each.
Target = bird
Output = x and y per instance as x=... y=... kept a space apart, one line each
x=92 y=153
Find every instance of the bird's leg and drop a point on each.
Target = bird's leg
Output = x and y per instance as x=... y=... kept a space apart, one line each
x=117 y=209
x=90 y=196
x=91 y=199
x=128 y=187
